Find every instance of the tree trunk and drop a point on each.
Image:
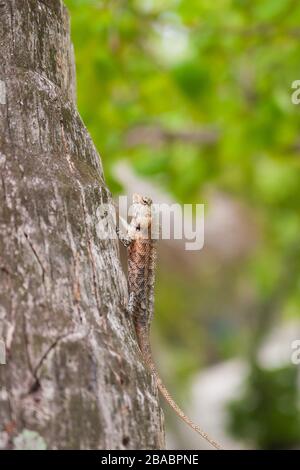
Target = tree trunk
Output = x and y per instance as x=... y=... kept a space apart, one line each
x=73 y=376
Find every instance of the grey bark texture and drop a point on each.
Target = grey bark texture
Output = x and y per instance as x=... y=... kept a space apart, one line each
x=73 y=376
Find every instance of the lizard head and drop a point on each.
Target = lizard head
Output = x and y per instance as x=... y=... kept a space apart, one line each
x=141 y=216
x=144 y=200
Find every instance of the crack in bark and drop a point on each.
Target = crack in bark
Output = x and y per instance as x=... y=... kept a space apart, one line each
x=47 y=352
x=4 y=188
x=36 y=256
x=5 y=270
x=27 y=342
x=36 y=384
x=44 y=3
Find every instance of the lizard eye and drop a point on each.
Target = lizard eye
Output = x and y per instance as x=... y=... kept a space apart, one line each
x=146 y=200
x=138 y=228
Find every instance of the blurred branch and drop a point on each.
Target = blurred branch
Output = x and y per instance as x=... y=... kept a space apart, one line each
x=261 y=30
x=156 y=136
x=294 y=148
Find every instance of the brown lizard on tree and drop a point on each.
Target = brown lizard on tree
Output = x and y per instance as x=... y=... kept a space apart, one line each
x=141 y=276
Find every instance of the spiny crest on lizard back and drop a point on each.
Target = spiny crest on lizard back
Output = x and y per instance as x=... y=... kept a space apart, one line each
x=141 y=212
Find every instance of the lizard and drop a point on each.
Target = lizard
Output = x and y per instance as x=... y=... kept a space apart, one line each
x=141 y=250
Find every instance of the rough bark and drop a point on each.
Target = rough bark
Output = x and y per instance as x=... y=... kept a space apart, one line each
x=73 y=378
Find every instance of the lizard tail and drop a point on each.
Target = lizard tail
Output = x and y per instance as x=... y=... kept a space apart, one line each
x=145 y=348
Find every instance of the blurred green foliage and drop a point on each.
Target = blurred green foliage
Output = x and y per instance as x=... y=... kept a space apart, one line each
x=211 y=84
x=268 y=411
x=180 y=65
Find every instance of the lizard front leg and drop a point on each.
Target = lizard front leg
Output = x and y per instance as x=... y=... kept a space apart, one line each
x=125 y=234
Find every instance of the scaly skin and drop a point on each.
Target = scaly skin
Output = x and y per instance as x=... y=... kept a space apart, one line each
x=141 y=277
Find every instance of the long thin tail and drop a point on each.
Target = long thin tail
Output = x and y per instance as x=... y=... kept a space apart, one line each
x=145 y=347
